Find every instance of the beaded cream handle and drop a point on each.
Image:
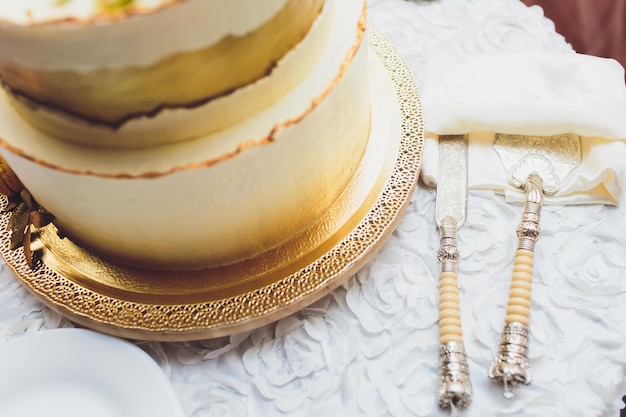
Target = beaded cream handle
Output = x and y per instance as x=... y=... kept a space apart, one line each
x=511 y=364
x=454 y=388
x=537 y=164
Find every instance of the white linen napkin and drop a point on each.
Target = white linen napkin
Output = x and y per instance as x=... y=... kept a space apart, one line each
x=529 y=93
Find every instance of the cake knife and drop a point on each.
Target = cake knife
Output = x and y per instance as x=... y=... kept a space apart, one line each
x=454 y=386
x=537 y=165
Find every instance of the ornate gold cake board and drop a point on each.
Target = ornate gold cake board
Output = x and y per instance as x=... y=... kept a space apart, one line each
x=175 y=306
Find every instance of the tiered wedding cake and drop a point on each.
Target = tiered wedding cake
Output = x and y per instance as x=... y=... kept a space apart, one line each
x=182 y=134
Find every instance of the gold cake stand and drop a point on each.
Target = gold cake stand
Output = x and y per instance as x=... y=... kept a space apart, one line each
x=177 y=306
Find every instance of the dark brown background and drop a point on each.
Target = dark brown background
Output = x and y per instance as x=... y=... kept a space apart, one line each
x=594 y=27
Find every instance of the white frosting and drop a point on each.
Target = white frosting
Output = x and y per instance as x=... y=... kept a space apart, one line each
x=204 y=212
x=26 y=12
x=81 y=49
x=176 y=124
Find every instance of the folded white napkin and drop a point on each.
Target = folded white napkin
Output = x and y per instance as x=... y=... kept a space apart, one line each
x=529 y=93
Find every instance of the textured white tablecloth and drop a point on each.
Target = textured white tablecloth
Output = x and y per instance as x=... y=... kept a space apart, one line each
x=370 y=348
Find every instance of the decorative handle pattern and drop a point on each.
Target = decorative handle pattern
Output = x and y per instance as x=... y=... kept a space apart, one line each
x=454 y=388
x=511 y=366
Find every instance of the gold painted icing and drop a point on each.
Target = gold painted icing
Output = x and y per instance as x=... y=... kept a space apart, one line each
x=246 y=145
x=186 y=79
x=266 y=193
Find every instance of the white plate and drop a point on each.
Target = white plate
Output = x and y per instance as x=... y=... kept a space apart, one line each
x=76 y=372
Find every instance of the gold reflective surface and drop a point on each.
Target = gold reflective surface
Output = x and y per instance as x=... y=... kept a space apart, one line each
x=158 y=305
x=187 y=79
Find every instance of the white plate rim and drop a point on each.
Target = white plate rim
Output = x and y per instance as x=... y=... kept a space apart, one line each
x=35 y=357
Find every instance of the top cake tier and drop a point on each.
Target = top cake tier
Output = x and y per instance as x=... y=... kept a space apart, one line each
x=134 y=73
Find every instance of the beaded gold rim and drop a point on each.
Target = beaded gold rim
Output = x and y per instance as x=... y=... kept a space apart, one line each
x=269 y=301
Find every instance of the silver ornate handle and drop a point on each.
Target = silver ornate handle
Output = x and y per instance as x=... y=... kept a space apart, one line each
x=454 y=387
x=511 y=366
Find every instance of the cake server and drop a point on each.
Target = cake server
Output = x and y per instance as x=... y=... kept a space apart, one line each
x=536 y=164
x=454 y=386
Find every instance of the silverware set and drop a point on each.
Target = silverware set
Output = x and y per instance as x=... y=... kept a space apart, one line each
x=536 y=165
